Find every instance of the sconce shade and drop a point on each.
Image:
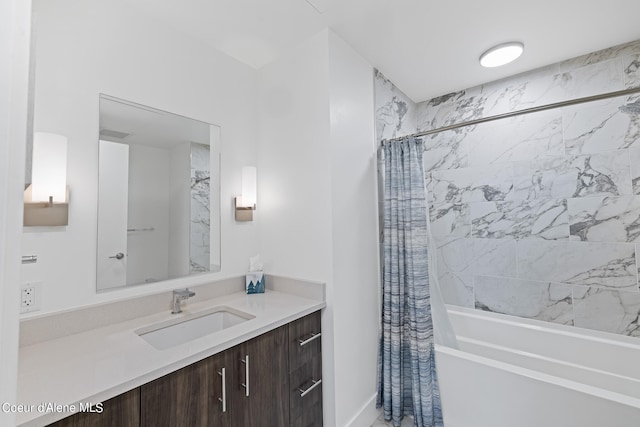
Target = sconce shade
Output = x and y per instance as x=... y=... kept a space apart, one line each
x=246 y=203
x=248 y=186
x=46 y=200
x=49 y=170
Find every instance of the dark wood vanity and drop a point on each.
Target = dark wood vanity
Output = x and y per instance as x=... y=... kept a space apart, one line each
x=271 y=380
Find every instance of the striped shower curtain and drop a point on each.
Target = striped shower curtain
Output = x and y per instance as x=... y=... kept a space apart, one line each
x=407 y=382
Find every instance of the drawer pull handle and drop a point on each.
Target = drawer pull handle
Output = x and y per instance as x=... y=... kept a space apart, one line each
x=223 y=399
x=245 y=384
x=315 y=384
x=311 y=338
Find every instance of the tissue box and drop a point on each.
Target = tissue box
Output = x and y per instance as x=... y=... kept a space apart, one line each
x=255 y=282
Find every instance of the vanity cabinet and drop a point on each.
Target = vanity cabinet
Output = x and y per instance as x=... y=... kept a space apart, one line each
x=246 y=385
x=193 y=396
x=260 y=389
x=274 y=379
x=122 y=410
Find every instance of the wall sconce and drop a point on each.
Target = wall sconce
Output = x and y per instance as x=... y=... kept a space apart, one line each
x=46 y=200
x=246 y=204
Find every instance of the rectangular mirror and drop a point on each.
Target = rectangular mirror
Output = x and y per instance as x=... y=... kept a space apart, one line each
x=158 y=195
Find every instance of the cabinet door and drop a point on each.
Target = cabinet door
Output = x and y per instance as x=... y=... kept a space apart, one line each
x=190 y=397
x=305 y=364
x=122 y=410
x=260 y=393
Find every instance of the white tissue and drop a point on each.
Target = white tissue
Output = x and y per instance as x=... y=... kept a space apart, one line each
x=255 y=263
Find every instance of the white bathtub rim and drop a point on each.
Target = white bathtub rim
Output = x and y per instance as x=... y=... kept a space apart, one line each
x=550 y=360
x=540 y=376
x=606 y=338
x=545 y=358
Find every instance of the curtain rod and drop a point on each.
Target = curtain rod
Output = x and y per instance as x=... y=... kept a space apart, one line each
x=521 y=112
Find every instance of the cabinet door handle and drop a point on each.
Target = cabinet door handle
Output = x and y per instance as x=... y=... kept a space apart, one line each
x=223 y=399
x=311 y=338
x=315 y=384
x=245 y=384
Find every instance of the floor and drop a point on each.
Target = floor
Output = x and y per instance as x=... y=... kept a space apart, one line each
x=380 y=422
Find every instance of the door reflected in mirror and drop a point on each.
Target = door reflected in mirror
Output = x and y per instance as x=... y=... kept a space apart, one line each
x=158 y=195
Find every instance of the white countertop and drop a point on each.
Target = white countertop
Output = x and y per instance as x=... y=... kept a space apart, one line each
x=101 y=363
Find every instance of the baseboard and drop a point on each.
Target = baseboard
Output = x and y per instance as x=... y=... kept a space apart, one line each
x=366 y=415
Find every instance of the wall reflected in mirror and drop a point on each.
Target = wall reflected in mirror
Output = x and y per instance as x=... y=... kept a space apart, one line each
x=158 y=195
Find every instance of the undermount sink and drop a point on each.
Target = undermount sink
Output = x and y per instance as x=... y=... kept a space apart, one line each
x=174 y=332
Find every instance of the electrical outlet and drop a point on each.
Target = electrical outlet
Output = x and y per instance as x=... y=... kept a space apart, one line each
x=30 y=297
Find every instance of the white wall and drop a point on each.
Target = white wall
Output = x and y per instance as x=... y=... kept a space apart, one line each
x=87 y=47
x=293 y=170
x=113 y=213
x=294 y=187
x=148 y=207
x=317 y=206
x=355 y=234
x=14 y=49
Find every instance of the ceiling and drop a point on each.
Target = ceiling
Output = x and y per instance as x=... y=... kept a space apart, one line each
x=426 y=48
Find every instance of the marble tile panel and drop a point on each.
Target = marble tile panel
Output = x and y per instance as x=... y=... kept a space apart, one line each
x=457 y=288
x=602 y=173
x=532 y=88
x=445 y=150
x=543 y=178
x=607 y=310
x=429 y=185
x=395 y=113
x=519 y=138
x=494 y=257
x=454 y=254
x=449 y=109
x=573 y=176
x=200 y=213
x=638 y=263
x=471 y=184
x=607 y=265
x=634 y=161
x=592 y=79
x=536 y=87
x=600 y=56
x=605 y=219
x=550 y=302
x=537 y=218
x=432 y=112
x=489 y=257
x=450 y=219
x=606 y=125
x=631 y=69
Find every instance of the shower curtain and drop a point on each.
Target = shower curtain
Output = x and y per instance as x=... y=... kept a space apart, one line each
x=407 y=382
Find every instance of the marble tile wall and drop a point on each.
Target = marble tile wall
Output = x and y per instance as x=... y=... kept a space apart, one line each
x=200 y=221
x=538 y=215
x=395 y=111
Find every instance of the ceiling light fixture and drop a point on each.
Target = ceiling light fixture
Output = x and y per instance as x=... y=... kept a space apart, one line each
x=501 y=54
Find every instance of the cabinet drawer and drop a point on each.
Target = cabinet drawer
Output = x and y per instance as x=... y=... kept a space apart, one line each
x=305 y=367
x=306 y=393
x=305 y=340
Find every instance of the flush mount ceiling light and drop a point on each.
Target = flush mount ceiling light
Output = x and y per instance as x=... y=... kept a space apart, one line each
x=501 y=54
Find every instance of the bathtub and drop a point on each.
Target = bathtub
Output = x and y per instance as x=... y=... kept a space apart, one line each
x=514 y=372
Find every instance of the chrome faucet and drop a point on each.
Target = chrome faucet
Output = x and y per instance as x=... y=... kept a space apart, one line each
x=178 y=296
